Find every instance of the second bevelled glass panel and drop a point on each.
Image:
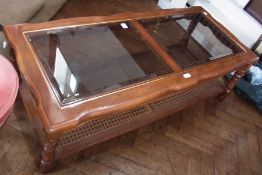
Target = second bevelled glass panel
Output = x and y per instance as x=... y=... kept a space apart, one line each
x=190 y=40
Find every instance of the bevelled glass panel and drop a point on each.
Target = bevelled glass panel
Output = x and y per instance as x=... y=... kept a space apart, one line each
x=190 y=40
x=91 y=60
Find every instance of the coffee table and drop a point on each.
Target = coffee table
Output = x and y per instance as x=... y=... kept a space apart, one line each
x=86 y=80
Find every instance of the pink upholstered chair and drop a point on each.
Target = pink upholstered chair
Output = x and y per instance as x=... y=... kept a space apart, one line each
x=8 y=88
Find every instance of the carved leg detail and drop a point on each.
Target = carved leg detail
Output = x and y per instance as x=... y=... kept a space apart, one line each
x=232 y=82
x=192 y=25
x=130 y=138
x=47 y=162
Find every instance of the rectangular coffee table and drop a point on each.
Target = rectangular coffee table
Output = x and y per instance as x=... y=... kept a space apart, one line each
x=86 y=80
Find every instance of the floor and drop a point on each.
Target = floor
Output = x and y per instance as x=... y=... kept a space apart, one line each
x=210 y=138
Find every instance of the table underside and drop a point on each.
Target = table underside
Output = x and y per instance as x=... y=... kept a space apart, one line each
x=106 y=127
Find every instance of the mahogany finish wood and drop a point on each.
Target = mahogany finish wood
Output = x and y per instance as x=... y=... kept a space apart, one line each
x=232 y=82
x=53 y=121
x=155 y=45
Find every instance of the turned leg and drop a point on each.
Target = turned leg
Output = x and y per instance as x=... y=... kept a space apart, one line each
x=47 y=162
x=232 y=82
x=130 y=138
x=192 y=25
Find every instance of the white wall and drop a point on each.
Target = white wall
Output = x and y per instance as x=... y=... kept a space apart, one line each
x=241 y=3
x=165 y=4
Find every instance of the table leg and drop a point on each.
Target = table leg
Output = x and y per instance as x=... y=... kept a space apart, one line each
x=47 y=162
x=192 y=25
x=232 y=82
x=132 y=137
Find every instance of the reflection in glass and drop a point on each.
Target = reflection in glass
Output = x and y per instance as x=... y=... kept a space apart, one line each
x=91 y=60
x=63 y=75
x=190 y=39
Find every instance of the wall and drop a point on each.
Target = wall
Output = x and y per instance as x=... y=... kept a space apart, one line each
x=165 y=4
x=241 y=3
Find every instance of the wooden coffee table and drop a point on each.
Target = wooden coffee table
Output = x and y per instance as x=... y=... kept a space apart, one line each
x=86 y=80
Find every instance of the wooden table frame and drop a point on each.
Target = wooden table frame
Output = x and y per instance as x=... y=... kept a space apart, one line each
x=42 y=105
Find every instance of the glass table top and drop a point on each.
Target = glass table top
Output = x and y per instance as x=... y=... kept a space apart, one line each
x=90 y=60
x=190 y=40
